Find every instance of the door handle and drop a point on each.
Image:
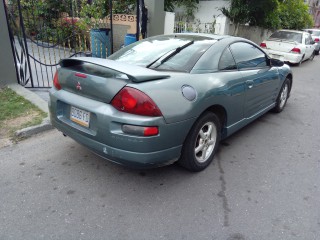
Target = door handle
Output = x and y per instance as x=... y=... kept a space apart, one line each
x=249 y=84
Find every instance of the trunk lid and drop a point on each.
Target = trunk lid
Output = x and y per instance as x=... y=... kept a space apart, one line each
x=101 y=79
x=280 y=45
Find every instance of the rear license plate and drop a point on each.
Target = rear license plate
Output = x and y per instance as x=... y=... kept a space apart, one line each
x=275 y=56
x=80 y=116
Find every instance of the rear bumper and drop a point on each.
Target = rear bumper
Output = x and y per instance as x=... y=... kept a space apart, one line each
x=286 y=57
x=119 y=156
x=105 y=137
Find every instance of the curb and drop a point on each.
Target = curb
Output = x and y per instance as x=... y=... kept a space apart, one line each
x=30 y=131
x=37 y=101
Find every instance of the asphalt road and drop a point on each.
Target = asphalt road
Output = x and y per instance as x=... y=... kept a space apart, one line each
x=264 y=184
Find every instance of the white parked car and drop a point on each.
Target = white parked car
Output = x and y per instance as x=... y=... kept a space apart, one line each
x=290 y=46
x=315 y=34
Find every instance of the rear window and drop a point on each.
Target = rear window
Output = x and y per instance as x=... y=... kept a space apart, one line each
x=315 y=33
x=150 y=52
x=289 y=36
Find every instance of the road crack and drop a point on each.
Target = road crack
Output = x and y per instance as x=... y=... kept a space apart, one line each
x=222 y=194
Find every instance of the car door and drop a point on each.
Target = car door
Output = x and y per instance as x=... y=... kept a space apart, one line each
x=261 y=80
x=309 y=46
x=234 y=88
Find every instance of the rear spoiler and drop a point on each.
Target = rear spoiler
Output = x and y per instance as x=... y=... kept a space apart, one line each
x=134 y=73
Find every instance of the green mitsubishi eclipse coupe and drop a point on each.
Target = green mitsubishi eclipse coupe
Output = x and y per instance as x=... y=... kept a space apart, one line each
x=167 y=98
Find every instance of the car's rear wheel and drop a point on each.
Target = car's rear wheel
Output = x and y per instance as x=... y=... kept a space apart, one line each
x=299 y=63
x=317 y=52
x=201 y=143
x=312 y=56
x=283 y=96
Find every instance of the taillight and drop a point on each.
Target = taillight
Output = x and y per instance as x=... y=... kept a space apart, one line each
x=316 y=39
x=56 y=83
x=263 y=45
x=296 y=50
x=133 y=101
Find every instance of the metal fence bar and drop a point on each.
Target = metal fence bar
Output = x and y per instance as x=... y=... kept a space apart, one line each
x=40 y=39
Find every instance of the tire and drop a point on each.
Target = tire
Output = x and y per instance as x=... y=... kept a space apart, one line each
x=312 y=56
x=201 y=143
x=299 y=63
x=283 y=96
x=317 y=52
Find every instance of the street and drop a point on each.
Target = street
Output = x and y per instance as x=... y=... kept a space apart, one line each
x=262 y=185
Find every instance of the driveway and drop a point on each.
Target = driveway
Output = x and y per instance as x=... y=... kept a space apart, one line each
x=263 y=184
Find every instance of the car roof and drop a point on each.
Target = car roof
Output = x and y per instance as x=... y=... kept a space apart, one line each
x=204 y=35
x=313 y=29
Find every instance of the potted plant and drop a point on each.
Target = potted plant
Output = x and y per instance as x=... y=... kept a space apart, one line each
x=93 y=14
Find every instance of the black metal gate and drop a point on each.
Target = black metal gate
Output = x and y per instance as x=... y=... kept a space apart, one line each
x=42 y=33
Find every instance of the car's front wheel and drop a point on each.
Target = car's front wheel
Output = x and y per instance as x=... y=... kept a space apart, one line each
x=283 y=96
x=201 y=143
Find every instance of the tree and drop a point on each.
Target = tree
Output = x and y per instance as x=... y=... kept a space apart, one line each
x=271 y=14
x=238 y=13
x=260 y=11
x=294 y=14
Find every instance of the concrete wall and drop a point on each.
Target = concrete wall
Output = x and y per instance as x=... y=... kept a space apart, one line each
x=254 y=34
x=169 y=23
x=119 y=34
x=156 y=16
x=7 y=68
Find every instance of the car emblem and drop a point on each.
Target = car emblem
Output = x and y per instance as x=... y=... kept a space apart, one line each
x=78 y=86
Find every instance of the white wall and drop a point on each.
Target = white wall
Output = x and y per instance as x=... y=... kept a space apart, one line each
x=169 y=23
x=207 y=10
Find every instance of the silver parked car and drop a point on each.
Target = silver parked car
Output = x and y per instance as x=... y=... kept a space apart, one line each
x=167 y=98
x=315 y=34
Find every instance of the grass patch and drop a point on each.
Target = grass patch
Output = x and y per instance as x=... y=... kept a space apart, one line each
x=17 y=113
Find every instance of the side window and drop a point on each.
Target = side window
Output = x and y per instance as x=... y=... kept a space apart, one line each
x=227 y=61
x=310 y=39
x=248 y=56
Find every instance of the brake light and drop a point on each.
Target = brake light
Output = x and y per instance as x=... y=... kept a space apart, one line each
x=133 y=101
x=263 y=45
x=316 y=39
x=80 y=75
x=56 y=83
x=140 y=130
x=150 y=131
x=296 y=50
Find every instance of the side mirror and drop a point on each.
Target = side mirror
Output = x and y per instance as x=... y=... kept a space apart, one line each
x=276 y=62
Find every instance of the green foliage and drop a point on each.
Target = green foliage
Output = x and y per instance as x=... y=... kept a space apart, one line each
x=92 y=13
x=260 y=11
x=13 y=105
x=16 y=113
x=124 y=6
x=294 y=14
x=238 y=12
x=271 y=14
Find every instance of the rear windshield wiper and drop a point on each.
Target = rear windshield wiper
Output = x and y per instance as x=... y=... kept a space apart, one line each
x=174 y=52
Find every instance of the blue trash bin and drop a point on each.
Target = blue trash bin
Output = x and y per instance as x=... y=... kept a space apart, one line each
x=100 y=42
x=129 y=38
